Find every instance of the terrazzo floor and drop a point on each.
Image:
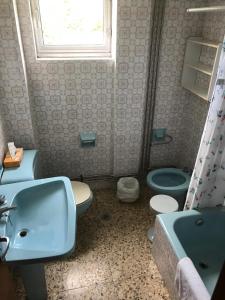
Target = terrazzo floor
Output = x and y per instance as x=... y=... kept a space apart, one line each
x=112 y=259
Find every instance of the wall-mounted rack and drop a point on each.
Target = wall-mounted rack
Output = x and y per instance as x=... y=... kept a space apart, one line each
x=206 y=9
x=168 y=139
x=193 y=67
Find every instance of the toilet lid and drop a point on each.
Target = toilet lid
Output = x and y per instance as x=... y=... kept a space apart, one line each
x=81 y=191
x=163 y=204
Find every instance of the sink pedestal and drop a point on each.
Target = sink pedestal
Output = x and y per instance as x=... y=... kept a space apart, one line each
x=33 y=277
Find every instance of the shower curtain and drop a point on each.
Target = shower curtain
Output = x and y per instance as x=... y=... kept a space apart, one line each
x=207 y=186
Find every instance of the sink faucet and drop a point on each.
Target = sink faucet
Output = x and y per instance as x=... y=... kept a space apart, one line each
x=5 y=209
x=2 y=200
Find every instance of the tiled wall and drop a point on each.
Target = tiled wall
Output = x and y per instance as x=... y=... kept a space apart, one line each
x=212 y=29
x=172 y=101
x=130 y=83
x=14 y=101
x=181 y=112
x=214 y=23
x=67 y=97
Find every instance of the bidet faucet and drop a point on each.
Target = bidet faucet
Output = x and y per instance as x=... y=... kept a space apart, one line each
x=5 y=209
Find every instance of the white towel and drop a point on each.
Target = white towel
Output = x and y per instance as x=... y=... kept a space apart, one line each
x=188 y=282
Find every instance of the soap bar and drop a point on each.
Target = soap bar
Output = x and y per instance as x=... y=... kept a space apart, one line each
x=10 y=162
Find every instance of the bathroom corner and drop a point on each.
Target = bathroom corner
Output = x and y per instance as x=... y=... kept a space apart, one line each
x=112 y=148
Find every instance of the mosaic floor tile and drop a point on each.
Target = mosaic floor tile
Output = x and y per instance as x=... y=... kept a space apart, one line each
x=141 y=287
x=92 y=292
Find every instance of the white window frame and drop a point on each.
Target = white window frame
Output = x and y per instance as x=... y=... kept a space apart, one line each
x=73 y=51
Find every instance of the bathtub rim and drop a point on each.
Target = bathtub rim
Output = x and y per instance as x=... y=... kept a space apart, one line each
x=168 y=221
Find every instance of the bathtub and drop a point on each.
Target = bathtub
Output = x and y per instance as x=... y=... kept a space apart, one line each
x=199 y=235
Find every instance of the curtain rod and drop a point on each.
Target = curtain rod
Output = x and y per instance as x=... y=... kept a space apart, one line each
x=206 y=9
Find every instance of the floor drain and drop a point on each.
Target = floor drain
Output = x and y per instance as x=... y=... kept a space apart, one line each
x=23 y=233
x=203 y=265
x=106 y=216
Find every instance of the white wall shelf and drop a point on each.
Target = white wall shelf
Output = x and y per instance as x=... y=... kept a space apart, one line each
x=201 y=68
x=199 y=91
x=193 y=67
x=201 y=41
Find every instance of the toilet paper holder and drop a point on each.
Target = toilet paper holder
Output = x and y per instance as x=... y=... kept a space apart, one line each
x=87 y=139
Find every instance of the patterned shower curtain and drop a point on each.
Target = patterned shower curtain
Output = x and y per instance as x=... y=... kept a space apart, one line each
x=207 y=186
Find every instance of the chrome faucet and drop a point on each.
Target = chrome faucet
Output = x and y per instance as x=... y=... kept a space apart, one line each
x=5 y=209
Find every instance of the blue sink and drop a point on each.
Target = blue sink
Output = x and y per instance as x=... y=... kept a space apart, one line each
x=43 y=225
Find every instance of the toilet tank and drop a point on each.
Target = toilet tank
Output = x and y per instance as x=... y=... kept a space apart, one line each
x=29 y=169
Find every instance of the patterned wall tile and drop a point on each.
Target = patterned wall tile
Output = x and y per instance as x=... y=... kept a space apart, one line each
x=130 y=84
x=15 y=107
x=69 y=97
x=174 y=105
x=64 y=98
x=212 y=29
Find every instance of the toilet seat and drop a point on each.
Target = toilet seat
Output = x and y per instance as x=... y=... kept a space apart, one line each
x=82 y=192
x=162 y=204
x=83 y=196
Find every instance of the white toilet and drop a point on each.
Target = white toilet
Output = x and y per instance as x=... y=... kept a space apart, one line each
x=161 y=204
x=83 y=196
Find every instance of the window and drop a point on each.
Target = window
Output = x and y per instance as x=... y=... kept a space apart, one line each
x=72 y=28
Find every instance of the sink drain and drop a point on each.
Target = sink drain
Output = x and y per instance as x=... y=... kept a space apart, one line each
x=203 y=265
x=23 y=233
